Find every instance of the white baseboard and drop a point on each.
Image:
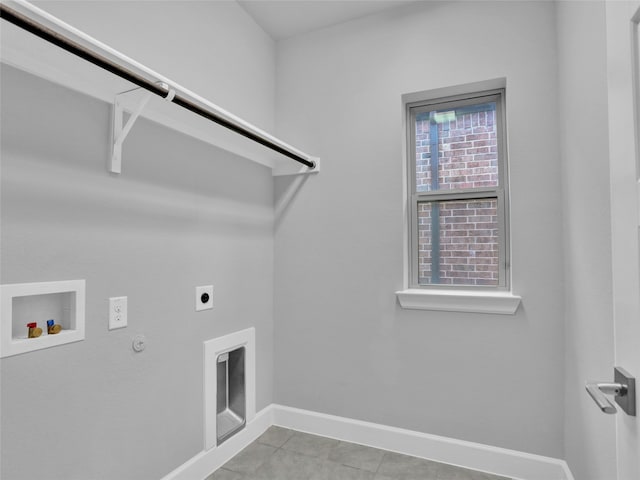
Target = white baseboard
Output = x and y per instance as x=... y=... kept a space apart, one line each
x=208 y=461
x=499 y=461
x=485 y=458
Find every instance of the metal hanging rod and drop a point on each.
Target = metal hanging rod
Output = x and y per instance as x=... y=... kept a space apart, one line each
x=216 y=115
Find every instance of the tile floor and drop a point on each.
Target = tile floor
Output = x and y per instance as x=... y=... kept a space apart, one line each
x=281 y=454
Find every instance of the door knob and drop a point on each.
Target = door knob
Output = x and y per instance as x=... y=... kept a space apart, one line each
x=597 y=391
x=623 y=389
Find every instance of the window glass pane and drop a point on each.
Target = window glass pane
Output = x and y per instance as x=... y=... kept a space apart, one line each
x=464 y=145
x=424 y=242
x=465 y=251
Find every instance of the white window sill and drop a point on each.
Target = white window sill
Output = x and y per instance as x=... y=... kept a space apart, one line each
x=503 y=303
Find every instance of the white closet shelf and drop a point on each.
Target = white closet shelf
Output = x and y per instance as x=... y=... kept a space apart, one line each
x=27 y=52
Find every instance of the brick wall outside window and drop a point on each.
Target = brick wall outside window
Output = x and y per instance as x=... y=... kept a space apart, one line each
x=468 y=158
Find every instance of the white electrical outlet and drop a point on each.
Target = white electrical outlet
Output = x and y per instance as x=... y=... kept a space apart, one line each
x=204 y=298
x=117 y=312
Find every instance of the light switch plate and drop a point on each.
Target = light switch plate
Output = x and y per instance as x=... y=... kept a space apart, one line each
x=117 y=312
x=204 y=297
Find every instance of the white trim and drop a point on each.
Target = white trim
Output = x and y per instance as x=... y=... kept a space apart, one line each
x=450 y=91
x=213 y=348
x=208 y=461
x=485 y=458
x=13 y=343
x=638 y=193
x=504 y=303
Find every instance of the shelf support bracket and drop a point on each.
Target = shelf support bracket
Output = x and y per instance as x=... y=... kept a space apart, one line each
x=120 y=131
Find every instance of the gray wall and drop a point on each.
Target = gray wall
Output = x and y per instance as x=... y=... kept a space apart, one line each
x=212 y=48
x=182 y=214
x=343 y=345
x=185 y=214
x=590 y=435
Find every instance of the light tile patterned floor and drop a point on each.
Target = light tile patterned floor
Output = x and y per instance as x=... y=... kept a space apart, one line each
x=281 y=454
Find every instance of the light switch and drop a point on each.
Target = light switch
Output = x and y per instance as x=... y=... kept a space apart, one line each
x=117 y=312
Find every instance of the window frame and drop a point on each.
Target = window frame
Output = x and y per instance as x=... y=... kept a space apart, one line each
x=500 y=192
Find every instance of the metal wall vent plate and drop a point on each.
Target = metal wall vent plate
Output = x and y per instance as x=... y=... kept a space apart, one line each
x=231 y=399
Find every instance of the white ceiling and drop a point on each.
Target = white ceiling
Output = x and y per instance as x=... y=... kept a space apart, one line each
x=286 y=18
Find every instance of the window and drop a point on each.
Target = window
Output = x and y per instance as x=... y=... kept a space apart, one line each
x=458 y=192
